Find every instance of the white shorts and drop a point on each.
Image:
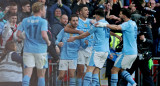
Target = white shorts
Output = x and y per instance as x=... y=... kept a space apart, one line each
x=98 y=59
x=83 y=56
x=125 y=61
x=65 y=64
x=40 y=60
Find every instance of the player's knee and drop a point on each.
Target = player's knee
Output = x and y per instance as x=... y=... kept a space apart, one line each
x=71 y=75
x=60 y=77
x=114 y=71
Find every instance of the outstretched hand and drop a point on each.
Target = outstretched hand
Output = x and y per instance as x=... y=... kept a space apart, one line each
x=100 y=24
x=71 y=39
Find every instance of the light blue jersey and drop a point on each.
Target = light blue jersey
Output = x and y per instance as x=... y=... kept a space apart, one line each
x=69 y=50
x=85 y=26
x=101 y=37
x=129 y=30
x=32 y=26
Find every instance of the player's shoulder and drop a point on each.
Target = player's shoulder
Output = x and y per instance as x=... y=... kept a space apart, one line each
x=43 y=20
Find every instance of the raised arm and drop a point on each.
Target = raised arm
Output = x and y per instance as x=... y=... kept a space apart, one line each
x=69 y=29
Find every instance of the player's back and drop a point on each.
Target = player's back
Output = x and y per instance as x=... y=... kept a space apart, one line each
x=33 y=26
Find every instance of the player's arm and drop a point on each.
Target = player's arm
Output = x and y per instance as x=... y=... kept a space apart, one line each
x=113 y=34
x=83 y=35
x=19 y=34
x=45 y=37
x=113 y=27
x=69 y=29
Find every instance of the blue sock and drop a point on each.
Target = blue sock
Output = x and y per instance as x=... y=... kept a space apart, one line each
x=41 y=82
x=87 y=79
x=26 y=80
x=114 y=79
x=59 y=82
x=128 y=77
x=72 y=82
x=95 y=80
x=79 y=81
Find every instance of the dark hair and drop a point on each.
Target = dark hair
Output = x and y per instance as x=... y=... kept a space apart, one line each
x=12 y=4
x=73 y=15
x=25 y=2
x=81 y=6
x=12 y=14
x=100 y=12
x=9 y=46
x=126 y=12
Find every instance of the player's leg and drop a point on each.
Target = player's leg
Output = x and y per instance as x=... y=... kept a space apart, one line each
x=127 y=62
x=29 y=63
x=41 y=60
x=72 y=69
x=99 y=60
x=80 y=67
x=63 y=67
x=114 y=71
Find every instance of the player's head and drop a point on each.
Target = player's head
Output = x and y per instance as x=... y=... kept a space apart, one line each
x=74 y=20
x=39 y=7
x=99 y=13
x=125 y=13
x=83 y=11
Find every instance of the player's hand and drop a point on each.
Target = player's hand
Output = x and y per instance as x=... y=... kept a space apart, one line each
x=71 y=39
x=92 y=21
x=60 y=44
x=142 y=37
x=111 y=56
x=119 y=37
x=80 y=32
x=49 y=43
x=86 y=41
x=100 y=24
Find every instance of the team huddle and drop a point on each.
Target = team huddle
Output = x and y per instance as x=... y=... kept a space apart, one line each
x=83 y=42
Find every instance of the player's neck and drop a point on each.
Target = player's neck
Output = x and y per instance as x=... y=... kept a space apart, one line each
x=37 y=14
x=72 y=27
x=100 y=18
x=126 y=19
x=83 y=18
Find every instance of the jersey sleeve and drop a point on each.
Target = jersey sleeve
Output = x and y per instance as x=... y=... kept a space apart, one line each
x=59 y=36
x=124 y=26
x=92 y=30
x=44 y=25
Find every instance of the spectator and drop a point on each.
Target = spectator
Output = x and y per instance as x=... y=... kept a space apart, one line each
x=26 y=11
x=58 y=26
x=13 y=8
x=56 y=10
x=9 y=28
x=10 y=64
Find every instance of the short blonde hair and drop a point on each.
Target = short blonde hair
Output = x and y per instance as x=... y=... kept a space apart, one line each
x=36 y=7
